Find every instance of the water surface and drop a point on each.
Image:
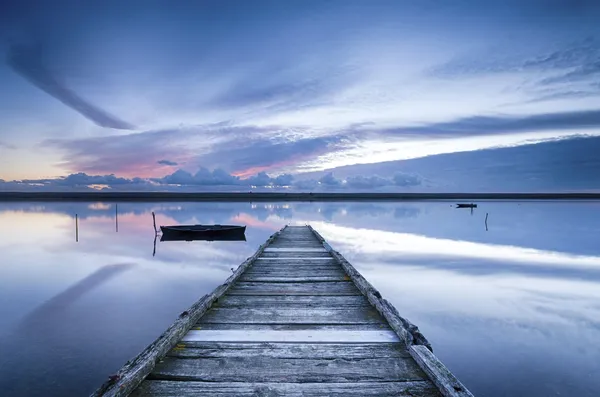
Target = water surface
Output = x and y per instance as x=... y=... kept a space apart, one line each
x=512 y=310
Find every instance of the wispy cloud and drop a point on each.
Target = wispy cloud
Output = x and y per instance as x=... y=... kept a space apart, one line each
x=29 y=63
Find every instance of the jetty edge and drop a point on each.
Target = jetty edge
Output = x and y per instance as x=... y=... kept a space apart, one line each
x=352 y=350
x=418 y=346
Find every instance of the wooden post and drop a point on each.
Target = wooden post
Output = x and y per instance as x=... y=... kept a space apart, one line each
x=154 y=222
x=76 y=228
x=486 y=216
x=117 y=218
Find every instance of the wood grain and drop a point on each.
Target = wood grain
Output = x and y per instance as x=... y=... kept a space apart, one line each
x=289 y=350
x=161 y=388
x=272 y=369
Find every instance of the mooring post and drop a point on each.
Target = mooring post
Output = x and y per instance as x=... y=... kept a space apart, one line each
x=76 y=228
x=154 y=222
x=486 y=216
x=117 y=218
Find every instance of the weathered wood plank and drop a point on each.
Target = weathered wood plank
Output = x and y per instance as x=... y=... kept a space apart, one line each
x=446 y=382
x=163 y=388
x=292 y=279
x=270 y=369
x=297 y=336
x=317 y=288
x=272 y=315
x=289 y=350
x=290 y=266
x=295 y=249
x=301 y=301
x=289 y=259
x=293 y=327
x=321 y=254
x=295 y=272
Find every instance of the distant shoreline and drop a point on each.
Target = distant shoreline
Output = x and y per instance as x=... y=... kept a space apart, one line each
x=274 y=196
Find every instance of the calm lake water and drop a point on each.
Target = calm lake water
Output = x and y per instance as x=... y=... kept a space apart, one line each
x=512 y=311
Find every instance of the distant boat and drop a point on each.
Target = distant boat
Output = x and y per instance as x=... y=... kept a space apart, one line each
x=466 y=205
x=203 y=232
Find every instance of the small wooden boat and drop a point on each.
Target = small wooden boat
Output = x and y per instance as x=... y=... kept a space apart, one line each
x=203 y=232
x=466 y=205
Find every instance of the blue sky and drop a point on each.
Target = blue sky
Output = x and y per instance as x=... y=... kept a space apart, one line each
x=141 y=89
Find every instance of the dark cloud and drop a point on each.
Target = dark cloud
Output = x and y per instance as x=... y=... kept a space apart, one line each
x=554 y=166
x=217 y=177
x=167 y=162
x=29 y=63
x=82 y=179
x=486 y=125
x=582 y=54
x=182 y=180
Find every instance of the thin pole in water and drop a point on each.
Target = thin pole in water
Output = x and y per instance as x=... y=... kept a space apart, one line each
x=486 y=215
x=117 y=217
x=154 y=222
x=76 y=228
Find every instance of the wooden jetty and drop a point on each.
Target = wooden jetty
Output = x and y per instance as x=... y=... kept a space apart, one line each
x=295 y=319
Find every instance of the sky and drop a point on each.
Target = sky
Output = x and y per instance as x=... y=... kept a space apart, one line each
x=146 y=94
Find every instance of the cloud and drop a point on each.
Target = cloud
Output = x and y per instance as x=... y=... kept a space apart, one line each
x=29 y=63
x=544 y=74
x=486 y=125
x=7 y=145
x=216 y=179
x=554 y=166
x=506 y=59
x=240 y=150
x=329 y=180
x=203 y=177
x=167 y=162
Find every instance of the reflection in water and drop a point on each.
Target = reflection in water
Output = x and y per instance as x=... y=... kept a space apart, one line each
x=512 y=309
x=51 y=310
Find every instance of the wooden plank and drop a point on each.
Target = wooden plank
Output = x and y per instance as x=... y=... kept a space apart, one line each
x=303 y=268
x=317 y=288
x=302 y=301
x=287 y=266
x=292 y=279
x=292 y=327
x=272 y=315
x=270 y=369
x=135 y=370
x=309 y=336
x=297 y=261
x=446 y=382
x=163 y=388
x=289 y=350
x=295 y=249
x=295 y=272
x=322 y=254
